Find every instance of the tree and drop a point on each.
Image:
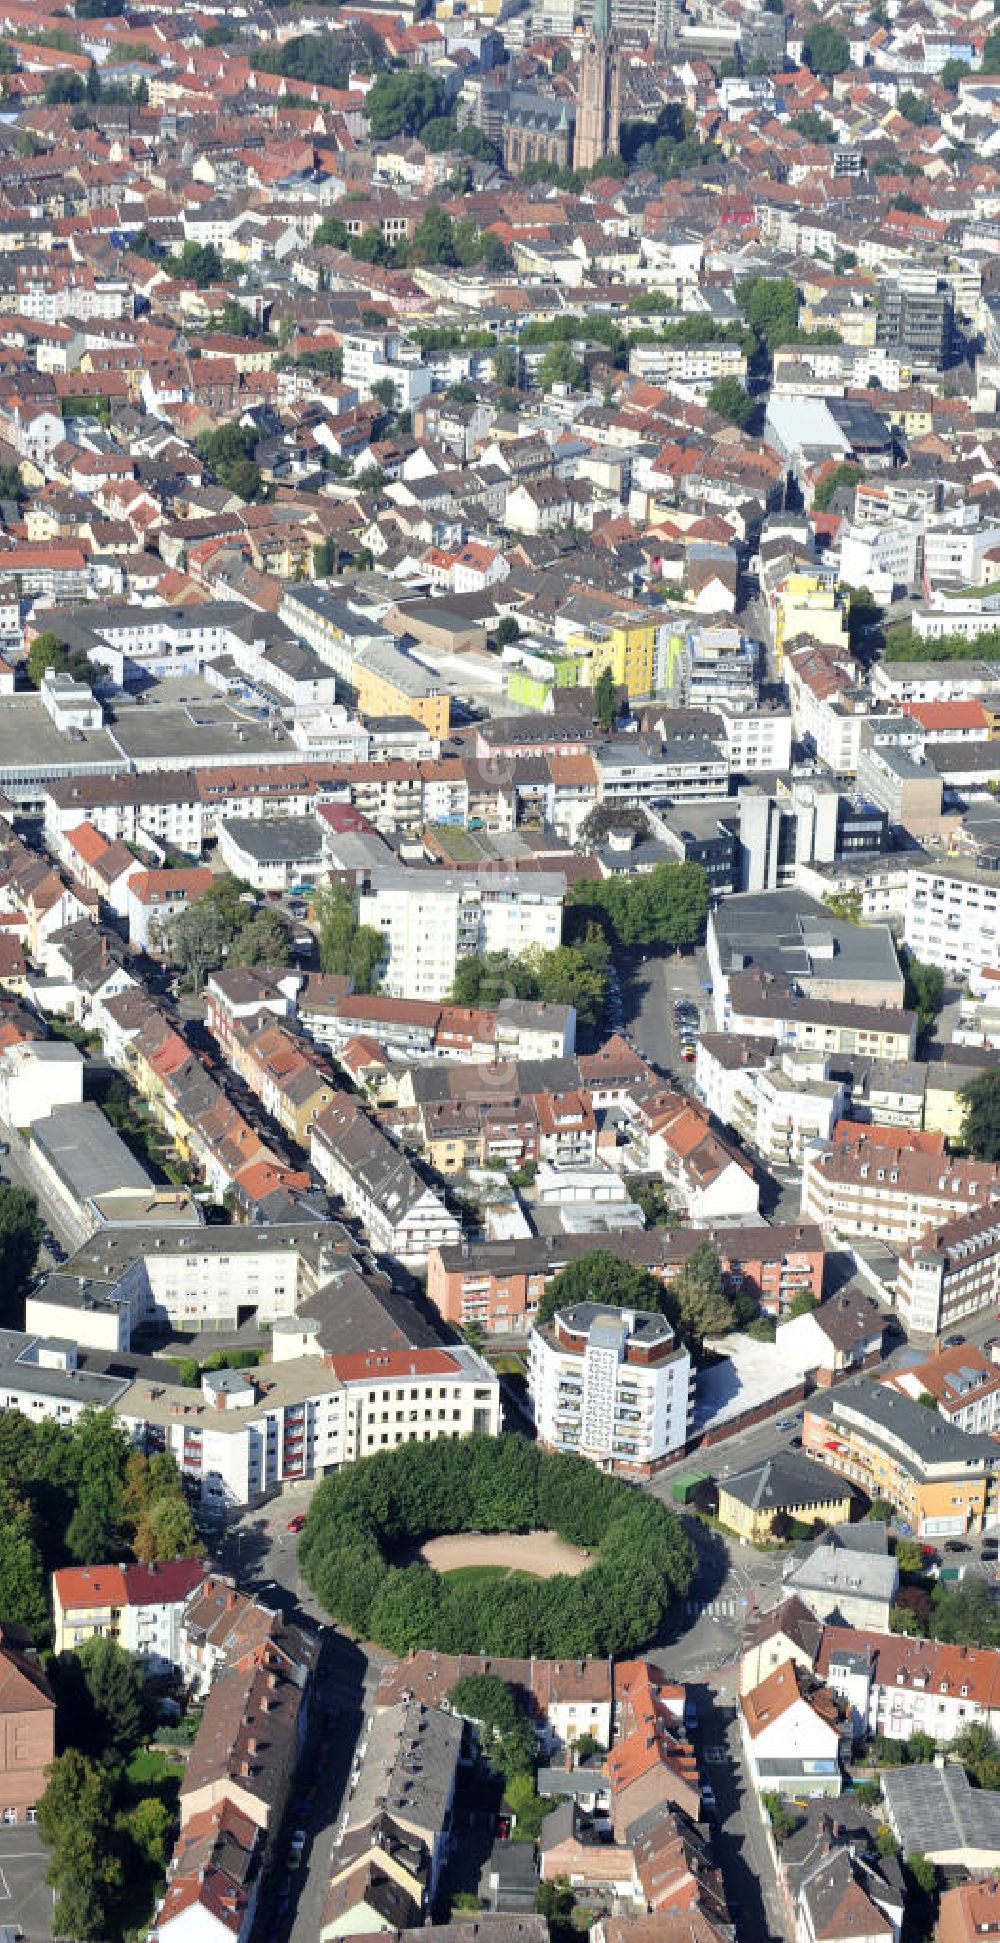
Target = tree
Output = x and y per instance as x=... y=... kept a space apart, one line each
x=771 y=307
x=825 y=50
x=74 y=1815
x=665 y=908
x=346 y=947
x=433 y=239
x=20 y=1240
x=229 y=452
x=150 y=1826
x=980 y=1099
x=802 y=1304
x=64 y=87
x=94 y=1532
x=266 y=940
x=990 y=63
x=953 y=73
x=155 y=1505
x=882 y=1511
x=924 y=990
x=601 y=1277
x=922 y=1872
x=964 y=1613
x=48 y=651
x=22 y=1573
x=604 y=700
x=107 y=1686
x=909 y=1556
x=700 y=1301
x=508 y=630
x=979 y=1752
x=731 y=400
x=844 y=476
x=199 y=939
x=560 y=367
x=198 y=263
x=235 y=320
x=400 y=103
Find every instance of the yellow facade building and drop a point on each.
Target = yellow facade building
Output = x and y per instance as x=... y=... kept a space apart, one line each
x=940 y=1479
x=804 y=604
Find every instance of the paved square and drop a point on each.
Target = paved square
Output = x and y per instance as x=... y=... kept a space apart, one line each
x=25 y=1896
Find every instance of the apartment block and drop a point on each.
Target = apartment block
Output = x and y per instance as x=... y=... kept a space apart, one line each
x=941 y=1480
x=951 y=1273
x=893 y=1190
x=430 y=920
x=611 y=1385
x=356 y=1159
x=140 y=1607
x=952 y=918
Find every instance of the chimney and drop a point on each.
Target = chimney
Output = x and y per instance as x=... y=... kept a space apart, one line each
x=230 y=1602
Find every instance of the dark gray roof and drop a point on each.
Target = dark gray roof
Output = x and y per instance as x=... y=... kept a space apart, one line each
x=929 y=1437
x=937 y=1810
x=786 y=1482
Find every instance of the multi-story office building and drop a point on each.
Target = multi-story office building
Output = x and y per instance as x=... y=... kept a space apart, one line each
x=613 y=1385
x=918 y=321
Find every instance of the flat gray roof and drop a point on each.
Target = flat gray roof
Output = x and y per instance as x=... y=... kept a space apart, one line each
x=276 y=840
x=214 y=732
x=29 y=740
x=85 y=1153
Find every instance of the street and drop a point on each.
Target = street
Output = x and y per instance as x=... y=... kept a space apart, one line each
x=649 y=992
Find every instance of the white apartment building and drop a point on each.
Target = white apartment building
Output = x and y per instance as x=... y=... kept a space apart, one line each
x=140 y=1607
x=36 y=1077
x=246 y=1434
x=881 y=558
x=952 y=918
x=372 y=356
x=612 y=1385
x=757 y=738
x=687 y=364
x=969 y=617
x=431 y=919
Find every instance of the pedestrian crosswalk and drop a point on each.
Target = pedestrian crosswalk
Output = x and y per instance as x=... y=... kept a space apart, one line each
x=722 y=1608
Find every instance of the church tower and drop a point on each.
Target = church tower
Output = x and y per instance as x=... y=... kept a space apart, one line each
x=598 y=106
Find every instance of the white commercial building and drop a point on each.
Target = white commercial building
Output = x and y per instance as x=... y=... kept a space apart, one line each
x=432 y=919
x=611 y=1385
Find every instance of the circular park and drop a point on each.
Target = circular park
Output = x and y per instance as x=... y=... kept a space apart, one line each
x=490 y=1544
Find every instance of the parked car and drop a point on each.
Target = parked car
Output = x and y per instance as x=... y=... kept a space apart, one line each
x=295 y=1848
x=785 y=1423
x=296 y=1523
x=954 y=1342
x=956 y=1545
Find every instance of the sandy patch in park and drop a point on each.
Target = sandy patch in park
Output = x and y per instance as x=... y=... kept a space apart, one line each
x=538 y=1552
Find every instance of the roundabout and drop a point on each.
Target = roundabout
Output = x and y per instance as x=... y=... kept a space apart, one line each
x=490 y=1544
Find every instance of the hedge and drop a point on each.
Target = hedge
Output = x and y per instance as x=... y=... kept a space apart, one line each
x=366 y=1515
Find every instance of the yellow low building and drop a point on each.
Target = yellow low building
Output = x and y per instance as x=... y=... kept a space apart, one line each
x=785 y=1486
x=804 y=604
x=389 y=682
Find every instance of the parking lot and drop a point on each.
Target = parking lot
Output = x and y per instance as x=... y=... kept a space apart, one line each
x=25 y=1897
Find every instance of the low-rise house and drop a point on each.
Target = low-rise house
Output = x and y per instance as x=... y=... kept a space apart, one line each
x=785 y=1486
x=843 y=1334
x=937 y=1812
x=354 y=1158
x=789 y=1631
x=140 y=1607
x=969 y=1911
x=851 y=1583
x=834 y=1882
x=896 y=1686
x=214 y=1879
x=565 y=1698
x=652 y=1763
x=792 y=1733
x=964 y=1383
x=252 y=1732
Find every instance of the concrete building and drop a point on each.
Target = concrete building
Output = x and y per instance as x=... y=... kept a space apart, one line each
x=611 y=1385
x=355 y=1158
x=273 y=855
x=786 y=1486
x=879 y=1182
x=140 y=1607
x=792 y=1735
x=39 y=1077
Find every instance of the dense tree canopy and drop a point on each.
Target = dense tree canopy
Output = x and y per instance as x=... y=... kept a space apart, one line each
x=48 y=651
x=229 y=451
x=400 y=103
x=20 y=1239
x=666 y=908
x=845 y=475
x=223 y=925
x=364 y=1517
x=695 y=1301
x=732 y=401
x=346 y=947
x=574 y=975
x=826 y=51
x=981 y=1115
